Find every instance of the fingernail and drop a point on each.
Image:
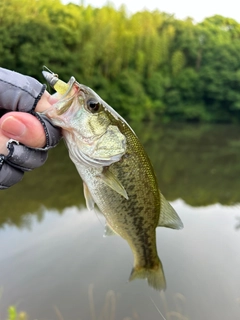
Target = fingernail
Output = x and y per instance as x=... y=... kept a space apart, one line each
x=13 y=126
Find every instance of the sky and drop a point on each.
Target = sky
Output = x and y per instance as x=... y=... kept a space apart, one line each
x=198 y=10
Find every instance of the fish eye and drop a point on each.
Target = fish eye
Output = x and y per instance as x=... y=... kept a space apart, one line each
x=93 y=106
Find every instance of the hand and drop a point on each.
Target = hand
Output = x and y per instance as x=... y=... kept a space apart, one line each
x=33 y=131
x=24 y=127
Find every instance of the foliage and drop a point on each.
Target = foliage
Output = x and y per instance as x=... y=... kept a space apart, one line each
x=14 y=315
x=146 y=64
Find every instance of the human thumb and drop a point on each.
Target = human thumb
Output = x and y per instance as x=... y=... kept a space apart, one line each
x=24 y=128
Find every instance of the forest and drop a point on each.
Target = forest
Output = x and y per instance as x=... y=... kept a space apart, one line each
x=147 y=65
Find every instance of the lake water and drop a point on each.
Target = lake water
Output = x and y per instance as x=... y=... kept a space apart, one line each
x=55 y=263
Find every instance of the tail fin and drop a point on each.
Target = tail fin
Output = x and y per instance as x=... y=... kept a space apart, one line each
x=155 y=277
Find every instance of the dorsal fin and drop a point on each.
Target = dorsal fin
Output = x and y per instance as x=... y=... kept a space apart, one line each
x=168 y=217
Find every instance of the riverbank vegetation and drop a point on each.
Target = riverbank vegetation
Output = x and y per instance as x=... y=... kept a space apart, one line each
x=146 y=65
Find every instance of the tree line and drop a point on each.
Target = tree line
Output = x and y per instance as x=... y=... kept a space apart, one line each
x=146 y=65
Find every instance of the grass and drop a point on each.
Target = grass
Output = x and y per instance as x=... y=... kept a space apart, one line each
x=13 y=314
x=108 y=310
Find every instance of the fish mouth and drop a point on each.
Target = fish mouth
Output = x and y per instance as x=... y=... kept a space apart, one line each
x=61 y=87
x=64 y=91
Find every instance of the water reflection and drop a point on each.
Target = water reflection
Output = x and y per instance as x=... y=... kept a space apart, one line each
x=54 y=261
x=196 y=163
x=64 y=264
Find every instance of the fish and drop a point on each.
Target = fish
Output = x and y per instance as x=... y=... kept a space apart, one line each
x=117 y=174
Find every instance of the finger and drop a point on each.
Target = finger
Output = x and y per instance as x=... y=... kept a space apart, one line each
x=3 y=144
x=54 y=98
x=24 y=128
x=25 y=158
x=44 y=103
x=9 y=176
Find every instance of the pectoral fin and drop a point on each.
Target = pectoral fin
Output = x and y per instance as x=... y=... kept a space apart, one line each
x=111 y=181
x=168 y=216
x=88 y=197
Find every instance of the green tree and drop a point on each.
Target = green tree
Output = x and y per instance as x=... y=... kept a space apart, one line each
x=173 y=68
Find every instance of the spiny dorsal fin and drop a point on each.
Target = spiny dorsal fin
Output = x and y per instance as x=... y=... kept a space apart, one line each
x=168 y=217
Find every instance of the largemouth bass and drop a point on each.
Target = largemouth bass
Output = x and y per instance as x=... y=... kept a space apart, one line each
x=116 y=172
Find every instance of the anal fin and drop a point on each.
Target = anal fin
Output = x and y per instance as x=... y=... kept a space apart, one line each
x=108 y=231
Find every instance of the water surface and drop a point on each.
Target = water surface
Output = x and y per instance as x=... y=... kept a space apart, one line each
x=54 y=261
